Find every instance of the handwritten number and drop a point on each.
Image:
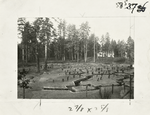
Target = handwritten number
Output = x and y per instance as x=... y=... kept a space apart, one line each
x=121 y=4
x=134 y=4
x=70 y=109
x=81 y=109
x=78 y=108
x=125 y=2
x=104 y=107
x=129 y=7
x=141 y=8
x=117 y=5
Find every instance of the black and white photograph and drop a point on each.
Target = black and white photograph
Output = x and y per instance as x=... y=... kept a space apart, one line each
x=75 y=58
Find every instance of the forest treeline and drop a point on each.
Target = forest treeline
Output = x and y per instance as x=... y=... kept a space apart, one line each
x=55 y=39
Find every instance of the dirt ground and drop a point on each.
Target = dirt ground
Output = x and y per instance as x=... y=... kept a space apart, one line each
x=58 y=82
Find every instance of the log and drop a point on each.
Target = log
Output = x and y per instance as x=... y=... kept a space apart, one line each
x=54 y=88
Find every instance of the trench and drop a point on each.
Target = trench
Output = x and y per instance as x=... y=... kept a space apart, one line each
x=77 y=83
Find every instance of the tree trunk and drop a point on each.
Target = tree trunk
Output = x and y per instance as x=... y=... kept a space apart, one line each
x=84 y=53
x=78 y=56
x=26 y=53
x=64 y=29
x=45 y=66
x=72 y=54
x=85 y=56
x=78 y=53
x=23 y=55
x=29 y=52
x=94 y=50
x=37 y=59
x=64 y=57
x=64 y=54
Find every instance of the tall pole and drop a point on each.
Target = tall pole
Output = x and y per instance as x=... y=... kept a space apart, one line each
x=130 y=87
x=86 y=89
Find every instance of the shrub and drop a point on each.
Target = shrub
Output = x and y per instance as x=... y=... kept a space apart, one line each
x=120 y=59
x=105 y=93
